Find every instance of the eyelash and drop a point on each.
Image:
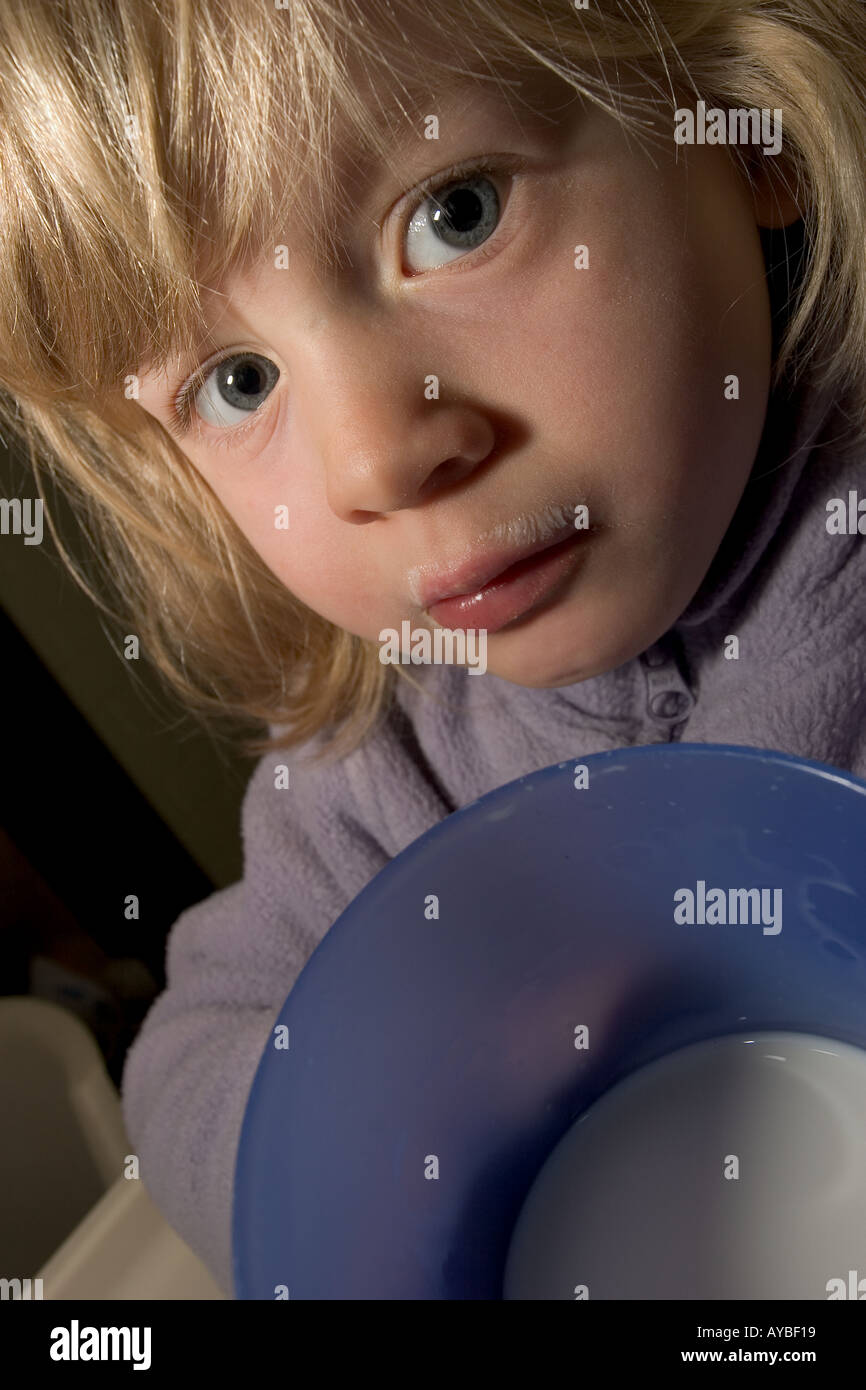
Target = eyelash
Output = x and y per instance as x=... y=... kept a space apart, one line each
x=181 y=404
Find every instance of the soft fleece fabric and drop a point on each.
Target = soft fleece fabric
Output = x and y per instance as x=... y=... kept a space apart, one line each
x=793 y=594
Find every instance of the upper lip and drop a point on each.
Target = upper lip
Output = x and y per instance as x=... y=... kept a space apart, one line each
x=473 y=574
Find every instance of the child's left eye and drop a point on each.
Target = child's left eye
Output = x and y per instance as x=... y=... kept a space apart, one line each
x=451 y=221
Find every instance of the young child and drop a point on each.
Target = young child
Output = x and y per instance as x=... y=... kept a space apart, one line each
x=326 y=313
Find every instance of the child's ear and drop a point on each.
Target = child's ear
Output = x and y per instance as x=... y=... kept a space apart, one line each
x=773 y=183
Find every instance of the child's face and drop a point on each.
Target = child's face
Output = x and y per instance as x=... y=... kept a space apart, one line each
x=603 y=385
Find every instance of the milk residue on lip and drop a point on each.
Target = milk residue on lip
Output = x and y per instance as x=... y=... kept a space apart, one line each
x=526 y=529
x=732 y=1168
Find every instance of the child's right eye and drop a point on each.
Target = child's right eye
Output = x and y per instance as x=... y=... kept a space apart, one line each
x=225 y=393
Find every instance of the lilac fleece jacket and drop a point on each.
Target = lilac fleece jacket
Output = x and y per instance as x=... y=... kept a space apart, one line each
x=791 y=592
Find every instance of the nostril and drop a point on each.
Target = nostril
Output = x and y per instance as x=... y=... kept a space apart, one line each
x=449 y=471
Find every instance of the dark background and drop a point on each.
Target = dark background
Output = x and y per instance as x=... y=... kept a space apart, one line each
x=107 y=788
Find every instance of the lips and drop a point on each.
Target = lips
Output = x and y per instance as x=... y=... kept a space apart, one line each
x=517 y=591
x=468 y=579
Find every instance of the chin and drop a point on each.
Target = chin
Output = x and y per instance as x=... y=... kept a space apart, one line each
x=537 y=677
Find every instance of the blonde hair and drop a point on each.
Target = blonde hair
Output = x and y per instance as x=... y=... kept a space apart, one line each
x=135 y=140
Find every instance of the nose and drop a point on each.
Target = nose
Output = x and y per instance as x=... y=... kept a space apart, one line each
x=388 y=429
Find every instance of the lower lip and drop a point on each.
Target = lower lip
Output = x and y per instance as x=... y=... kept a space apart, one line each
x=513 y=592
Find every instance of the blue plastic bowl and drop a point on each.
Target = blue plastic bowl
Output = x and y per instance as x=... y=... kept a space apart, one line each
x=424 y=1044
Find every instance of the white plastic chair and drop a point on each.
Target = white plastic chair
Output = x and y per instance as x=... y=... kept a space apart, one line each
x=62 y=1150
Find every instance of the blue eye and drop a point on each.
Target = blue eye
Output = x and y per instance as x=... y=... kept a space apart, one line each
x=230 y=391
x=451 y=221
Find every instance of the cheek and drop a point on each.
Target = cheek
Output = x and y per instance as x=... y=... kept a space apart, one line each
x=284 y=516
x=275 y=519
x=313 y=558
x=623 y=363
